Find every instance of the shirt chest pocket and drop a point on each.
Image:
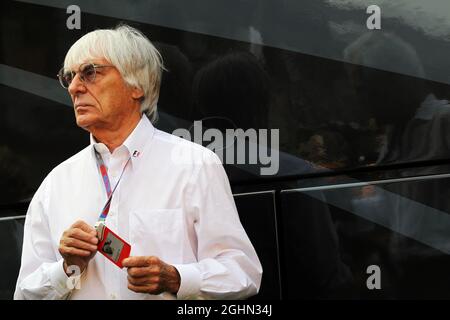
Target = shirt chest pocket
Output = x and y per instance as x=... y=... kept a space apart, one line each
x=157 y=233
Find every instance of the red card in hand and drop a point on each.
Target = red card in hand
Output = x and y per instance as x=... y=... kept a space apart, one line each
x=111 y=245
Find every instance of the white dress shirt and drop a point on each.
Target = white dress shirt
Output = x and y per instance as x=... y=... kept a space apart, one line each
x=173 y=201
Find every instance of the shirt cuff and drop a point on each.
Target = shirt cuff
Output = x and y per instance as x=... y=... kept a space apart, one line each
x=190 y=279
x=59 y=279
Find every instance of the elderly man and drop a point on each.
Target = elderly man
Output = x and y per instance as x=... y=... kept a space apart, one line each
x=167 y=198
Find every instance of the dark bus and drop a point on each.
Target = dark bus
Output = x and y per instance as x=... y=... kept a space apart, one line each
x=339 y=110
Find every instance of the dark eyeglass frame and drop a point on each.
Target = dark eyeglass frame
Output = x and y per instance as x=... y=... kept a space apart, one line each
x=84 y=69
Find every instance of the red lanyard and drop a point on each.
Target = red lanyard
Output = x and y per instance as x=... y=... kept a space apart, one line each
x=105 y=178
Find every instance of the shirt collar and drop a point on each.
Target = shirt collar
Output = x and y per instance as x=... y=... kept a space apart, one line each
x=134 y=143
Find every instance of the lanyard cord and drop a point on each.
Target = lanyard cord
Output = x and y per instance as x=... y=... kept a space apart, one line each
x=105 y=178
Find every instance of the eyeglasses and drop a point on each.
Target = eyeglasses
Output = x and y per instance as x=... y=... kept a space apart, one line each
x=87 y=73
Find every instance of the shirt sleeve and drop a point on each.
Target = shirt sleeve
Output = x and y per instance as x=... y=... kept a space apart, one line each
x=228 y=266
x=41 y=274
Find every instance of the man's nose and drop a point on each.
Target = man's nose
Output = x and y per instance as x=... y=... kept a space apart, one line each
x=77 y=85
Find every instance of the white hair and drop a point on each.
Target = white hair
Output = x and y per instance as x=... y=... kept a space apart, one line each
x=131 y=52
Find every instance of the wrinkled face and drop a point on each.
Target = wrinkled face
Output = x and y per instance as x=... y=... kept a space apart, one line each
x=104 y=102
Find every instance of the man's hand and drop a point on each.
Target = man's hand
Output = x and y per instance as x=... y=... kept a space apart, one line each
x=151 y=275
x=78 y=245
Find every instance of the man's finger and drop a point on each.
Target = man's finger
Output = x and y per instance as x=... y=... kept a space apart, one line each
x=153 y=289
x=64 y=250
x=81 y=235
x=80 y=224
x=140 y=281
x=139 y=261
x=138 y=272
x=79 y=244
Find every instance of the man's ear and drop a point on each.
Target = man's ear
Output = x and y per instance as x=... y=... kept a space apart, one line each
x=137 y=93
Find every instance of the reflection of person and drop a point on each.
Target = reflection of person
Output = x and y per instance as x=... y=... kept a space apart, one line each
x=232 y=92
x=414 y=127
x=177 y=214
x=231 y=84
x=411 y=119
